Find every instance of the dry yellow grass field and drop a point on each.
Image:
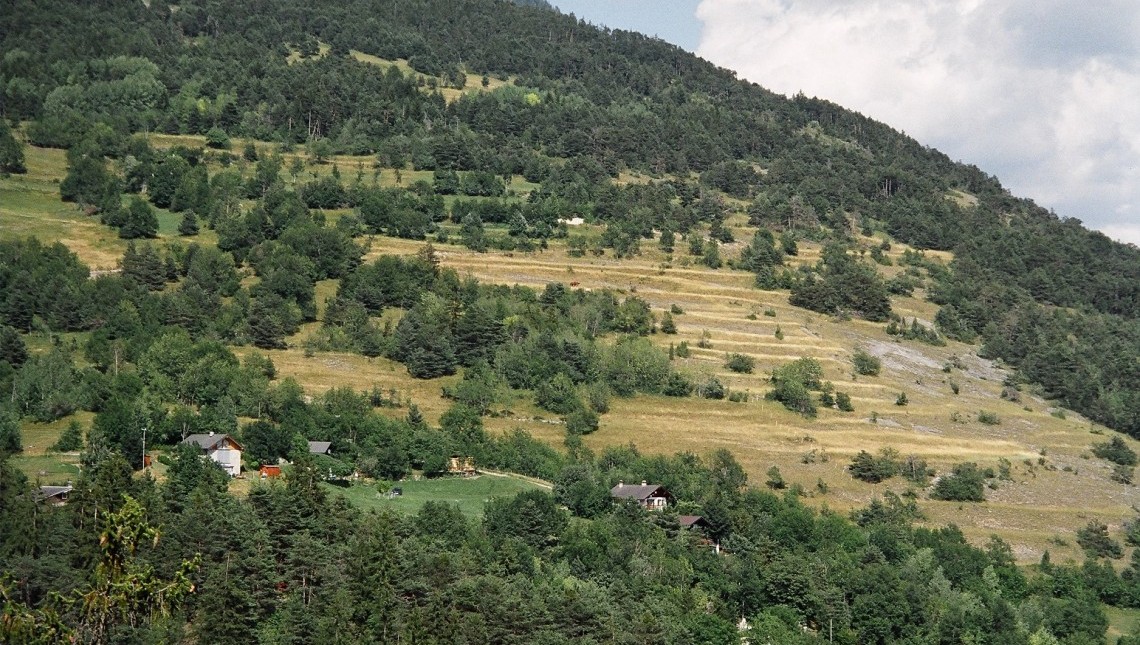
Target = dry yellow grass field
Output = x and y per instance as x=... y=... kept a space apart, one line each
x=1056 y=486
x=473 y=82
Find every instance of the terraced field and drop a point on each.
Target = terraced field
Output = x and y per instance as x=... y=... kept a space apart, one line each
x=1055 y=486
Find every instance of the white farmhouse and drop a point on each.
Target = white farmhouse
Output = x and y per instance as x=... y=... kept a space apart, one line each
x=221 y=448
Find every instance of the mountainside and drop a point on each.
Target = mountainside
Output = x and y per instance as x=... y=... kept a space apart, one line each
x=605 y=101
x=426 y=230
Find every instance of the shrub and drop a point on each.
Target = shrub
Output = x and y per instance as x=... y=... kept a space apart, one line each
x=901 y=399
x=582 y=421
x=675 y=309
x=667 y=324
x=815 y=455
x=682 y=350
x=805 y=370
x=873 y=469
x=599 y=396
x=558 y=395
x=1116 y=451
x=966 y=484
x=1094 y=539
x=740 y=363
x=711 y=389
x=1122 y=474
x=775 y=479
x=915 y=331
x=865 y=364
x=843 y=402
x=634 y=365
x=1132 y=532
x=218 y=139
x=706 y=340
x=795 y=397
x=793 y=383
x=916 y=470
x=677 y=385
x=1005 y=469
x=988 y=418
x=477 y=389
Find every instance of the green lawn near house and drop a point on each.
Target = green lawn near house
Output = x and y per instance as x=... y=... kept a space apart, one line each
x=471 y=494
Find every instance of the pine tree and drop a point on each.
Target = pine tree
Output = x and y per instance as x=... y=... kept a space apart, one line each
x=12 y=347
x=71 y=439
x=11 y=151
x=471 y=233
x=373 y=558
x=265 y=327
x=89 y=183
x=123 y=591
x=189 y=224
x=140 y=221
x=425 y=344
x=10 y=441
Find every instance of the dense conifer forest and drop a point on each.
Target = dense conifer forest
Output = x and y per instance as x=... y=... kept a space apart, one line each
x=488 y=94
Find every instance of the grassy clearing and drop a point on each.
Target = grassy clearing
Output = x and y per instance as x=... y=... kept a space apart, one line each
x=474 y=82
x=1121 y=622
x=470 y=494
x=30 y=206
x=38 y=437
x=40 y=464
x=49 y=469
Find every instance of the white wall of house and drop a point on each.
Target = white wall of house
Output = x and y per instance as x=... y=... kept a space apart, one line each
x=230 y=460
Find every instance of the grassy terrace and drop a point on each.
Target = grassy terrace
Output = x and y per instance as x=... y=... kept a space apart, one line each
x=1056 y=485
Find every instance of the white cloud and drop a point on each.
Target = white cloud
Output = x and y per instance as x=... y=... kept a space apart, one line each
x=1041 y=93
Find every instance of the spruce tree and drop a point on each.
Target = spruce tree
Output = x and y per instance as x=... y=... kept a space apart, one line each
x=71 y=439
x=189 y=224
x=11 y=151
x=140 y=221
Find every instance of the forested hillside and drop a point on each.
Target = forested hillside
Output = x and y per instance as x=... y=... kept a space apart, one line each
x=249 y=167
x=583 y=105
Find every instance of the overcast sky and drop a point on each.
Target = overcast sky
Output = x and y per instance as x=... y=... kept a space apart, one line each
x=1043 y=94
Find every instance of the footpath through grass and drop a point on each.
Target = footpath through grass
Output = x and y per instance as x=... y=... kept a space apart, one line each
x=470 y=493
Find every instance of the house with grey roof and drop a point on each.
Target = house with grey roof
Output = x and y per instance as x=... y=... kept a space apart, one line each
x=651 y=497
x=221 y=448
x=54 y=495
x=320 y=448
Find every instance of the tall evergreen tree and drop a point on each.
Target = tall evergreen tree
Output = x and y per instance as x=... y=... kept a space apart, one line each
x=11 y=151
x=140 y=221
